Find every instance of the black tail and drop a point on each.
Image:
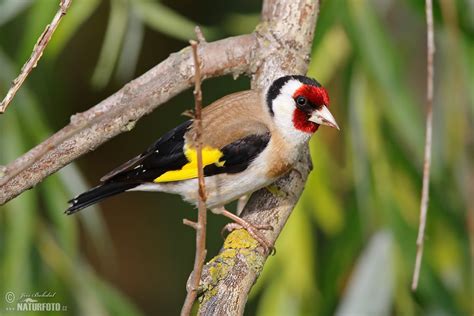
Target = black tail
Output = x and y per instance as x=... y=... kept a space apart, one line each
x=97 y=194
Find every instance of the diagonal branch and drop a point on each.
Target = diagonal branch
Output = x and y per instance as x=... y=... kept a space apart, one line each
x=120 y=111
x=40 y=46
x=429 y=135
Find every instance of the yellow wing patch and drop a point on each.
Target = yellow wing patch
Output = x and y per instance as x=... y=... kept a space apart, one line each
x=189 y=171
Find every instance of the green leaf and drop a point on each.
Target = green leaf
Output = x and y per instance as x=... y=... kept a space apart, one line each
x=93 y=222
x=237 y=23
x=39 y=15
x=379 y=55
x=167 y=21
x=34 y=126
x=358 y=140
x=320 y=195
x=20 y=216
x=111 y=47
x=55 y=197
x=330 y=55
x=132 y=46
x=93 y=296
x=9 y=9
x=370 y=289
x=78 y=13
x=116 y=302
x=292 y=289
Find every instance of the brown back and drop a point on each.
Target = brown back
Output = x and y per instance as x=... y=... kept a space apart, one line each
x=235 y=116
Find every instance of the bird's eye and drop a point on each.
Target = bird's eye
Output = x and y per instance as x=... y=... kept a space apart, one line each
x=301 y=100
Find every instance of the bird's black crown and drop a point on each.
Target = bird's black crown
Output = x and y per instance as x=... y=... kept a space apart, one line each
x=276 y=86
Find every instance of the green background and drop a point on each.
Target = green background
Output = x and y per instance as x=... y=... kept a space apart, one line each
x=349 y=246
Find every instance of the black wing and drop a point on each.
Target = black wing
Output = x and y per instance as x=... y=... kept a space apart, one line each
x=164 y=155
x=237 y=156
x=167 y=154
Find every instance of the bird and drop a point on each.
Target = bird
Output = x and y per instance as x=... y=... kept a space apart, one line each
x=249 y=140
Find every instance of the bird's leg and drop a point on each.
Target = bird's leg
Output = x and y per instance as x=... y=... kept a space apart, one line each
x=240 y=223
x=241 y=202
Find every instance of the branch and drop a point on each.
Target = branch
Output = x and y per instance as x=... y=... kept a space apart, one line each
x=228 y=277
x=429 y=135
x=285 y=36
x=120 y=111
x=200 y=226
x=40 y=46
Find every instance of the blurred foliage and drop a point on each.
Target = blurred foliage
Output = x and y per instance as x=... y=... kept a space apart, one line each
x=349 y=246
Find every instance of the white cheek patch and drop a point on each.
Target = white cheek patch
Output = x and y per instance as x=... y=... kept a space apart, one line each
x=283 y=108
x=284 y=105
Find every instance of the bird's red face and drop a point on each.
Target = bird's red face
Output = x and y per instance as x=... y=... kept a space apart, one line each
x=298 y=106
x=311 y=110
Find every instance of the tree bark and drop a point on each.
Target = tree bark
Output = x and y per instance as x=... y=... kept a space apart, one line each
x=284 y=39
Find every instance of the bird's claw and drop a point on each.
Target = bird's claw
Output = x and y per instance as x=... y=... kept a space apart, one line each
x=254 y=231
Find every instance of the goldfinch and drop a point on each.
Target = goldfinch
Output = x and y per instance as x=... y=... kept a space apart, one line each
x=250 y=139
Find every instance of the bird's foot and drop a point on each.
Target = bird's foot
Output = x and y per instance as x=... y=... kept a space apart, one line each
x=241 y=202
x=253 y=230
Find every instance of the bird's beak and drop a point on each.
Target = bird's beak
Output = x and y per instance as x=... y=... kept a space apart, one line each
x=323 y=117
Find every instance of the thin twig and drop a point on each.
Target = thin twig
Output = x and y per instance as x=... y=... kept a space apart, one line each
x=429 y=127
x=189 y=223
x=199 y=34
x=40 y=46
x=200 y=226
